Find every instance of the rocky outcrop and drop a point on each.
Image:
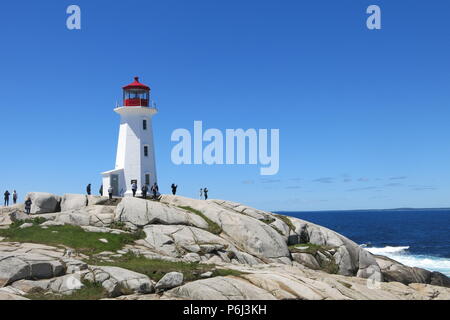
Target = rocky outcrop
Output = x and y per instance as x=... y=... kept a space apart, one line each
x=169 y=281
x=351 y=259
x=276 y=281
x=395 y=271
x=64 y=285
x=137 y=212
x=119 y=281
x=15 y=267
x=191 y=244
x=10 y=296
x=44 y=202
x=220 y=288
x=247 y=233
x=273 y=256
x=73 y=202
x=6 y=214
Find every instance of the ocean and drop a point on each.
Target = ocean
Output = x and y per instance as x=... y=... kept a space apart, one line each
x=414 y=237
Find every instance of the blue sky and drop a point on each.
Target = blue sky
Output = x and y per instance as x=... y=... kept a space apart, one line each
x=363 y=115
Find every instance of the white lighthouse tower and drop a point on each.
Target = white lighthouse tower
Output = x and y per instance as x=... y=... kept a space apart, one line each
x=135 y=160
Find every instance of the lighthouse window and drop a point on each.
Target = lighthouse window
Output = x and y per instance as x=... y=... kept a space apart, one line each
x=147 y=179
x=146 y=151
x=144 y=124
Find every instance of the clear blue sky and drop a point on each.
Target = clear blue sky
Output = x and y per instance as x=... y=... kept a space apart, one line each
x=363 y=115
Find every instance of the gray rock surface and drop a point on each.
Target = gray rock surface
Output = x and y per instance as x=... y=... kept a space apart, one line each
x=43 y=202
x=137 y=212
x=395 y=271
x=247 y=233
x=73 y=202
x=169 y=281
x=220 y=288
x=15 y=267
x=351 y=258
x=119 y=281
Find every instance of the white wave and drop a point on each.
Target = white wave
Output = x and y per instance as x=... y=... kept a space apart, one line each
x=401 y=255
x=387 y=250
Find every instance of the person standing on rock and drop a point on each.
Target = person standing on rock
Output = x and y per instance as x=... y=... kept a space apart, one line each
x=14 y=197
x=101 y=190
x=205 y=191
x=88 y=189
x=6 y=194
x=201 y=193
x=28 y=206
x=144 y=191
x=110 y=192
x=174 y=188
x=134 y=188
x=154 y=189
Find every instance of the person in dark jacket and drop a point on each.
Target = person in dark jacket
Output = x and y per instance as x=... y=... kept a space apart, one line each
x=205 y=192
x=88 y=189
x=101 y=190
x=174 y=188
x=110 y=192
x=14 y=197
x=6 y=194
x=144 y=190
x=154 y=189
x=134 y=188
x=28 y=204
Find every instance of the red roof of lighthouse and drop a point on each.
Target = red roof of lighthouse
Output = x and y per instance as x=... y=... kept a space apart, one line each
x=136 y=85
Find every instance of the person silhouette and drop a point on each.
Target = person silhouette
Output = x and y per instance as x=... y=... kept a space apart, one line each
x=6 y=194
x=174 y=188
x=15 y=197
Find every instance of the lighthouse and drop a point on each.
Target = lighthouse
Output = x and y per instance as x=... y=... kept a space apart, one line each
x=135 y=159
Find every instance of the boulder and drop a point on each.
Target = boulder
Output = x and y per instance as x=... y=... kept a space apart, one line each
x=137 y=212
x=247 y=233
x=26 y=225
x=65 y=285
x=44 y=202
x=178 y=240
x=220 y=288
x=395 y=271
x=351 y=258
x=17 y=266
x=73 y=202
x=97 y=200
x=11 y=296
x=18 y=215
x=169 y=281
x=76 y=218
x=7 y=214
x=119 y=281
x=307 y=260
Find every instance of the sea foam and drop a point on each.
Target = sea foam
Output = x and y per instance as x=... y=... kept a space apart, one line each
x=402 y=255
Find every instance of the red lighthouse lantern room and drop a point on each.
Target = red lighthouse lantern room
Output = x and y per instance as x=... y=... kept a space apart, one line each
x=136 y=94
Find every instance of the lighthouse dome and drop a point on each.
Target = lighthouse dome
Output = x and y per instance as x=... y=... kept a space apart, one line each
x=136 y=85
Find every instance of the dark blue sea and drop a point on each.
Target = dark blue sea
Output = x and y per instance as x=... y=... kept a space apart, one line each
x=414 y=237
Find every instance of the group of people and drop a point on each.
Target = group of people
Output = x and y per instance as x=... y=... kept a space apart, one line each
x=144 y=190
x=15 y=196
x=204 y=193
x=7 y=194
x=154 y=189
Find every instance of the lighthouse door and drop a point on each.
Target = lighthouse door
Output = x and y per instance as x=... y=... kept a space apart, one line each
x=114 y=182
